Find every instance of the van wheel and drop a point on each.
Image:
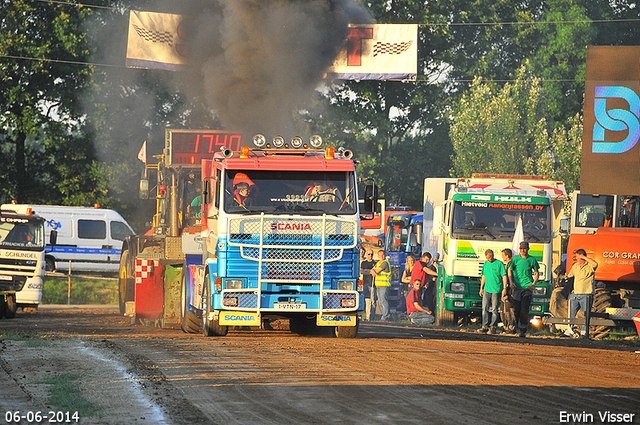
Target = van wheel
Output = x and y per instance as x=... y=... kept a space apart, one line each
x=210 y=327
x=189 y=322
x=11 y=306
x=50 y=265
x=125 y=283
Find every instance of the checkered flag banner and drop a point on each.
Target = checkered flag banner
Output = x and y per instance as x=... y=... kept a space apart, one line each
x=154 y=41
x=154 y=36
x=381 y=48
x=378 y=52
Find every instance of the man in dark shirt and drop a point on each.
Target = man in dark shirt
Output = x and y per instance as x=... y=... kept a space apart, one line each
x=365 y=270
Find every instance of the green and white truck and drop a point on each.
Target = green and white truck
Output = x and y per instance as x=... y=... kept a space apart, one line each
x=482 y=213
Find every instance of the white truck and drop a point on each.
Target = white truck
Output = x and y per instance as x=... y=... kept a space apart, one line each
x=481 y=213
x=89 y=239
x=21 y=260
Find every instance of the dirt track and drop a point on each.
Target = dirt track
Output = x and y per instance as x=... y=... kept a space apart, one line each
x=389 y=374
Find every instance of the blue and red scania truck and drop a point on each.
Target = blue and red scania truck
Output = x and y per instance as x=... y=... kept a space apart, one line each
x=243 y=236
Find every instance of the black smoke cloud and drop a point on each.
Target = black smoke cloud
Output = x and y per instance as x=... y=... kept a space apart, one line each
x=257 y=61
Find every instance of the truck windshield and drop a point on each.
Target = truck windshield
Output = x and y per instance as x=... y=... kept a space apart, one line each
x=286 y=192
x=397 y=237
x=593 y=210
x=21 y=233
x=492 y=222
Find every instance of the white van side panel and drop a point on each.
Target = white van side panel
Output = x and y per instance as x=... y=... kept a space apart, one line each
x=85 y=240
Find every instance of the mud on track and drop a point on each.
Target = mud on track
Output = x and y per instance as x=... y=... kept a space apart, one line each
x=388 y=375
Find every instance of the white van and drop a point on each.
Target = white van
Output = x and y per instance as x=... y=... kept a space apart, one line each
x=89 y=238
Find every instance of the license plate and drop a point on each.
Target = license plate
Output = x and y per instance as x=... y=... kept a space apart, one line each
x=290 y=306
x=3 y=277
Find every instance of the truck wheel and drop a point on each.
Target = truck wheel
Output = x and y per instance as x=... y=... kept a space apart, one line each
x=126 y=281
x=601 y=300
x=210 y=327
x=189 y=322
x=444 y=317
x=508 y=316
x=348 y=331
x=558 y=305
x=11 y=306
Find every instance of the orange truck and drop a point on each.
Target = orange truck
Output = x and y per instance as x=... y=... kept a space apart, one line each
x=607 y=227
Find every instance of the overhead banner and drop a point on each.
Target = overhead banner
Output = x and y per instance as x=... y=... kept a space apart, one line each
x=378 y=52
x=371 y=52
x=155 y=41
x=610 y=148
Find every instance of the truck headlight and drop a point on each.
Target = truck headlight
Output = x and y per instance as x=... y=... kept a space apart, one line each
x=539 y=291
x=259 y=140
x=457 y=286
x=230 y=301
x=348 y=303
x=315 y=141
x=345 y=285
x=233 y=284
x=296 y=142
x=278 y=141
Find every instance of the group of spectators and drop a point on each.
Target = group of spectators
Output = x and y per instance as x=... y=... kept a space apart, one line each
x=511 y=280
x=418 y=286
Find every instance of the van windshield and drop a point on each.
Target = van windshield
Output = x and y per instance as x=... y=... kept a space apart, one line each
x=287 y=192
x=21 y=233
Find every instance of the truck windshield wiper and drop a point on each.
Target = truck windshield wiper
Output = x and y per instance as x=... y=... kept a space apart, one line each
x=532 y=235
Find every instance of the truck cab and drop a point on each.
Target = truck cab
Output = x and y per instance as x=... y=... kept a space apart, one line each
x=483 y=213
x=22 y=244
x=607 y=227
x=280 y=227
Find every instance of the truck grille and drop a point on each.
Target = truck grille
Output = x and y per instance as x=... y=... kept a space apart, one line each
x=15 y=267
x=292 y=250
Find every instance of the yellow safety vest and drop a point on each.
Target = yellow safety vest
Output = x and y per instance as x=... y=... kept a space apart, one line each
x=383 y=278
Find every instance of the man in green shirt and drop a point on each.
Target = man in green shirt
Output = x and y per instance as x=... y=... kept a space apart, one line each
x=494 y=277
x=523 y=275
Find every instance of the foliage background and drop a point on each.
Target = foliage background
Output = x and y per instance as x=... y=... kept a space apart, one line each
x=500 y=89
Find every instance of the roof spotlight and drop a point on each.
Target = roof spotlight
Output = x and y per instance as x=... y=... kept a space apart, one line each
x=296 y=142
x=259 y=140
x=278 y=141
x=315 y=141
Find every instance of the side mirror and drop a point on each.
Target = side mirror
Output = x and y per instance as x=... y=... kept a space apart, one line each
x=144 y=188
x=370 y=198
x=413 y=241
x=419 y=232
x=206 y=192
x=564 y=226
x=53 y=238
x=437 y=221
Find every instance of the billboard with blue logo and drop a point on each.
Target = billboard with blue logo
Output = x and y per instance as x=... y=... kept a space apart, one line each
x=610 y=149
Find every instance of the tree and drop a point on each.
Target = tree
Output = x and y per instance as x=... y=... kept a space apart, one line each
x=39 y=87
x=505 y=131
x=396 y=129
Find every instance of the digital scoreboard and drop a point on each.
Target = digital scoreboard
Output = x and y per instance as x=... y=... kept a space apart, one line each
x=188 y=147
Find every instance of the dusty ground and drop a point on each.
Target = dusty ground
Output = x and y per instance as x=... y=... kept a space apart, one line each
x=389 y=374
